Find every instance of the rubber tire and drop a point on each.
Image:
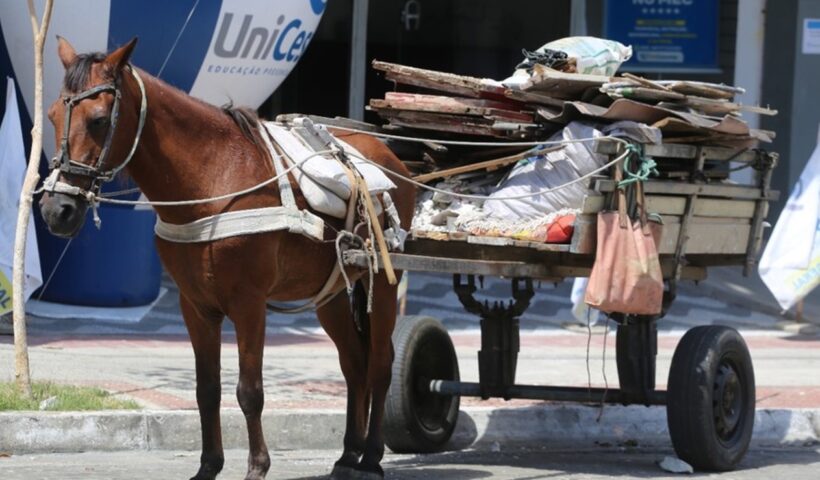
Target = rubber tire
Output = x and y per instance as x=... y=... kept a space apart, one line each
x=420 y=343
x=691 y=388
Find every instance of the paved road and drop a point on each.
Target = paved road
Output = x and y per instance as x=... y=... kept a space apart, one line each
x=792 y=464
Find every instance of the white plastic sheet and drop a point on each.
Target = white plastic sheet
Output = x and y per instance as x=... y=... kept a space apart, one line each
x=790 y=265
x=12 y=172
x=558 y=168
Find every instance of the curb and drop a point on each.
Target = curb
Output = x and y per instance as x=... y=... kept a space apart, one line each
x=71 y=432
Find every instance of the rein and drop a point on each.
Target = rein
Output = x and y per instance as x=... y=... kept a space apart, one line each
x=62 y=162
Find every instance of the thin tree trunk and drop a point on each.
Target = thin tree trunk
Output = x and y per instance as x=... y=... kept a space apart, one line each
x=22 y=374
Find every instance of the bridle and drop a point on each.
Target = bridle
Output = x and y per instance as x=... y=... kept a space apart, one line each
x=62 y=162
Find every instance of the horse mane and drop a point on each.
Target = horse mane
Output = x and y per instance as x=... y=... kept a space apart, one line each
x=248 y=122
x=78 y=74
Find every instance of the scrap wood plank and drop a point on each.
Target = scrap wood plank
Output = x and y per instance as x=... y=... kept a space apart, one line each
x=459 y=106
x=458 y=123
x=561 y=85
x=440 y=81
x=719 y=107
x=531 y=97
x=645 y=94
x=646 y=82
x=690 y=88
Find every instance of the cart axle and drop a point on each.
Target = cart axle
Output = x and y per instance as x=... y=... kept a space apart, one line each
x=538 y=392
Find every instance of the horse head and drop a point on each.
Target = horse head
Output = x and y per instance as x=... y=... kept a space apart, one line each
x=97 y=121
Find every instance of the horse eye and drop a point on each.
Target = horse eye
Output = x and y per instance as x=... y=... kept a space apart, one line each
x=98 y=123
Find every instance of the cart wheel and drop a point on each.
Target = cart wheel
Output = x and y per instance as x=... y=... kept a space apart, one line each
x=711 y=398
x=415 y=420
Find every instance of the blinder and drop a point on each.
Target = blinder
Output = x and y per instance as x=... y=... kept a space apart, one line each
x=62 y=162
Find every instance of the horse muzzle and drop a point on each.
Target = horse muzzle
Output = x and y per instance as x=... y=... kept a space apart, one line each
x=64 y=214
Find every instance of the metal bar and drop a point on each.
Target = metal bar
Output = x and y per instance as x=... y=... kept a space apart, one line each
x=537 y=392
x=358 y=60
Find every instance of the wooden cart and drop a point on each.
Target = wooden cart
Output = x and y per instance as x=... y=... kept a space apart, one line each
x=710 y=398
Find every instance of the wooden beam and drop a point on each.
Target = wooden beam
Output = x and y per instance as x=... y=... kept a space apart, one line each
x=453 y=105
x=488 y=165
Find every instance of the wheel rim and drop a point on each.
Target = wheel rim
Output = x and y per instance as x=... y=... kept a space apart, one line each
x=433 y=360
x=728 y=401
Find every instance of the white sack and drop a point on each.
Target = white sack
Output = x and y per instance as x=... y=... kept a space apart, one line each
x=593 y=56
x=323 y=181
x=12 y=173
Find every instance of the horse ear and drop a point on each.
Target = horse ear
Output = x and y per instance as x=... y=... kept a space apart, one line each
x=65 y=51
x=117 y=59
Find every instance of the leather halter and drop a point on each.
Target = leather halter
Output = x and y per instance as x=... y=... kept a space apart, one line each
x=62 y=162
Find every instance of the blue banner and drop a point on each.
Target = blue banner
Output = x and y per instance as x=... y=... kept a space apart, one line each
x=679 y=35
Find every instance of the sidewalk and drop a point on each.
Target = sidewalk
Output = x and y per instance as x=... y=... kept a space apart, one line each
x=729 y=284
x=152 y=362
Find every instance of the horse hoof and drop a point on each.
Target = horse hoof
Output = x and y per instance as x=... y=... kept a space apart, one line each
x=342 y=472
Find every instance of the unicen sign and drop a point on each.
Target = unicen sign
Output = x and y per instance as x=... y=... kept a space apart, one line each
x=281 y=43
x=255 y=40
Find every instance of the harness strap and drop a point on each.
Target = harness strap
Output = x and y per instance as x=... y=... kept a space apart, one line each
x=285 y=190
x=329 y=290
x=242 y=222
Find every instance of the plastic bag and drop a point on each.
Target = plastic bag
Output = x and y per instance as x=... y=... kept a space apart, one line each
x=594 y=56
x=591 y=55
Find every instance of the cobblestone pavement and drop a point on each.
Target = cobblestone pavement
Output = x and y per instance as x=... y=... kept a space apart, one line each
x=520 y=464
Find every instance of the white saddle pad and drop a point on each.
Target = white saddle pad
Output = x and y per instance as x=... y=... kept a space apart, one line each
x=322 y=179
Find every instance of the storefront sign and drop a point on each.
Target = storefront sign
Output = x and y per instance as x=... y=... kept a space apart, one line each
x=811 y=36
x=665 y=35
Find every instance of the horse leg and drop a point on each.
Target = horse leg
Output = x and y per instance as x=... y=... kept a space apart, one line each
x=337 y=320
x=205 y=330
x=250 y=338
x=379 y=371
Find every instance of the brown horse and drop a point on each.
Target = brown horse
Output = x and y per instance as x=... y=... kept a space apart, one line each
x=191 y=150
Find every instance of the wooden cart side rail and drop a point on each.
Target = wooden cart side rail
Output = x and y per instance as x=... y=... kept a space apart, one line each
x=737 y=192
x=707 y=235
x=676 y=205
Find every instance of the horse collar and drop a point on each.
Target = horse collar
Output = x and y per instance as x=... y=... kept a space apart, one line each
x=63 y=163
